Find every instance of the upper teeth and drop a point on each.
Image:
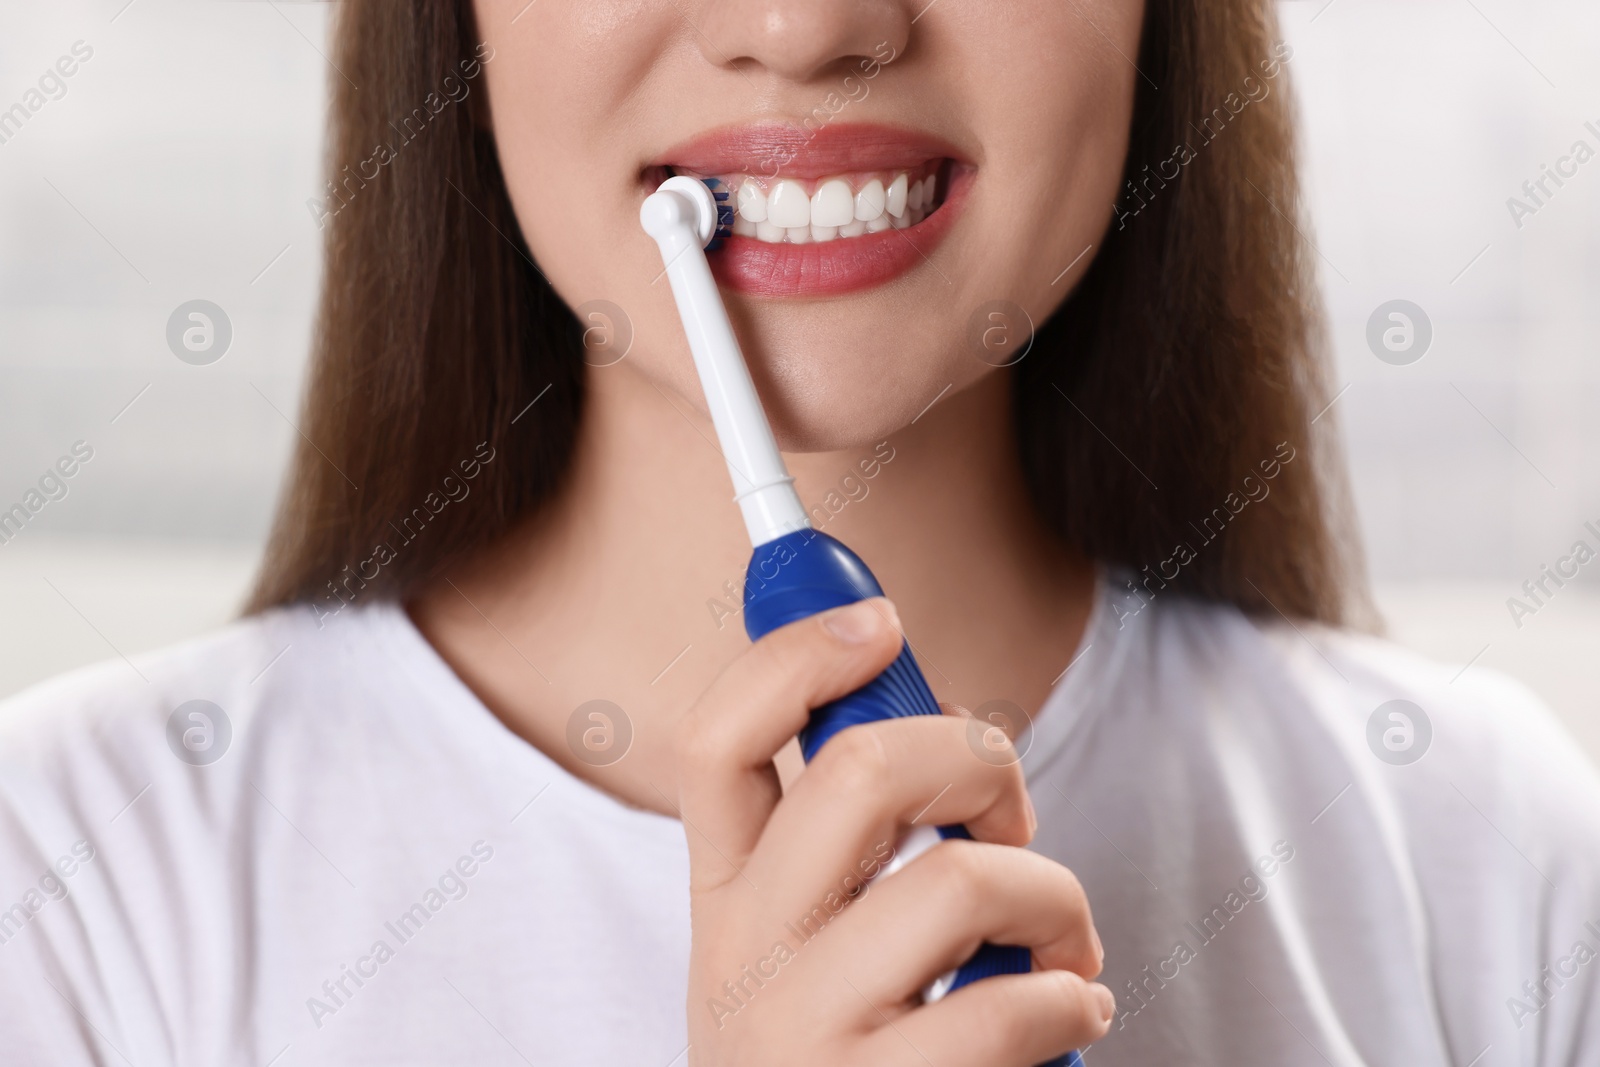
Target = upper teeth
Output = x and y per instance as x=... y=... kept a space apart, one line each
x=838 y=207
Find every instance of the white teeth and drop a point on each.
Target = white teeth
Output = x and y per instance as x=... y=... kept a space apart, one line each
x=869 y=201
x=752 y=202
x=832 y=205
x=789 y=206
x=895 y=201
x=783 y=213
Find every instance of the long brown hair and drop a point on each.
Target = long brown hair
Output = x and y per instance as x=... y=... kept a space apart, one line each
x=1167 y=413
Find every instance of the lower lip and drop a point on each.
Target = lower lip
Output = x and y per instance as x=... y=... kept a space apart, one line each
x=843 y=265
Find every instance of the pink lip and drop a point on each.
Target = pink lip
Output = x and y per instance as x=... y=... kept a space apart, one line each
x=771 y=148
x=846 y=265
x=829 y=268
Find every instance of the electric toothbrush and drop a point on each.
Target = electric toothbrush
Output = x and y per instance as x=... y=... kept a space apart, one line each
x=795 y=571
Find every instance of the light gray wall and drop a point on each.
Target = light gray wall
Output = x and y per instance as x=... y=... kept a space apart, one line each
x=175 y=167
x=1421 y=120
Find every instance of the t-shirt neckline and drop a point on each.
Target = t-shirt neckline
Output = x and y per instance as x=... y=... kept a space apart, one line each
x=484 y=732
x=1094 y=659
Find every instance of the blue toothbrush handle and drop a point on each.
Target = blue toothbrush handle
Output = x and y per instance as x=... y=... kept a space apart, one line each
x=806 y=572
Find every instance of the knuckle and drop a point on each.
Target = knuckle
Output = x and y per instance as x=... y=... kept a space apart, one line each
x=1078 y=1002
x=1068 y=990
x=855 y=763
x=1014 y=777
x=1007 y=781
x=1069 y=901
x=1063 y=999
x=1014 y=1025
x=790 y=660
x=782 y=652
x=702 y=743
x=961 y=871
x=1071 y=888
x=1054 y=1006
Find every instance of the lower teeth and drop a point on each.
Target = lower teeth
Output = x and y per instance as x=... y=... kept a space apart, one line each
x=799 y=235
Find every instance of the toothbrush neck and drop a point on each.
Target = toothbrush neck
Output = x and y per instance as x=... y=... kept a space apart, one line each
x=772 y=511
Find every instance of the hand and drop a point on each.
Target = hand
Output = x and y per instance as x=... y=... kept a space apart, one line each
x=793 y=961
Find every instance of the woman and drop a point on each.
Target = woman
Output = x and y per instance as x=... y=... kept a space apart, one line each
x=489 y=771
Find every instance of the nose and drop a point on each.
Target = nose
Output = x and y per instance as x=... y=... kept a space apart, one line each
x=800 y=40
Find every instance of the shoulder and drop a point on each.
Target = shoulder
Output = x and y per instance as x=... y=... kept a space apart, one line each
x=146 y=687
x=1444 y=831
x=77 y=749
x=1451 y=751
x=1456 y=737
x=104 y=796
x=157 y=820
x=1403 y=708
x=1464 y=769
x=124 y=705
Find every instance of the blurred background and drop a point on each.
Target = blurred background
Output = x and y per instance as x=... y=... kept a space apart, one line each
x=174 y=164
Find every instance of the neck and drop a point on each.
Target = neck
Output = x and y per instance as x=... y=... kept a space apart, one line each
x=627 y=586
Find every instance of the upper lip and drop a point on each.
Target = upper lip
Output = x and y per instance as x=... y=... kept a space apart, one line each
x=774 y=148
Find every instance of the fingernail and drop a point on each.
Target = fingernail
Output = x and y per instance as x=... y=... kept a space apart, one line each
x=1099 y=949
x=1108 y=1002
x=1033 y=815
x=894 y=615
x=855 y=624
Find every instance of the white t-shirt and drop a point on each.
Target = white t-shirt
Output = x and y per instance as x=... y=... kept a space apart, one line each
x=376 y=871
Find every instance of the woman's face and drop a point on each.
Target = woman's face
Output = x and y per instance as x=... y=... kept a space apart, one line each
x=915 y=181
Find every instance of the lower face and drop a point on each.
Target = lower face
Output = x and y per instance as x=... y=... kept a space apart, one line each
x=902 y=175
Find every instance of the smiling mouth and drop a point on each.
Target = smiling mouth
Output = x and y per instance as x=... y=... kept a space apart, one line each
x=793 y=210
x=825 y=212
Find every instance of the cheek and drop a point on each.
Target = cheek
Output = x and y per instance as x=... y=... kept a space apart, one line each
x=576 y=91
x=562 y=87
x=1056 y=117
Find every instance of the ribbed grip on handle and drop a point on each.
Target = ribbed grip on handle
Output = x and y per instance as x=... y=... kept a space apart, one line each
x=900 y=690
x=806 y=572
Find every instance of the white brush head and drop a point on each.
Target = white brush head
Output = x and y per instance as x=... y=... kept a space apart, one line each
x=659 y=213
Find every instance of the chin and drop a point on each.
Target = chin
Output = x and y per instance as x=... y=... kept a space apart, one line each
x=850 y=407
x=836 y=423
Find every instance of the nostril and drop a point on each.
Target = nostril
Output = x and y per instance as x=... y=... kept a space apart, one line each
x=802 y=40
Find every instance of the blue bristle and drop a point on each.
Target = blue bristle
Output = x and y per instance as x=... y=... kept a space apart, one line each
x=724 y=213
